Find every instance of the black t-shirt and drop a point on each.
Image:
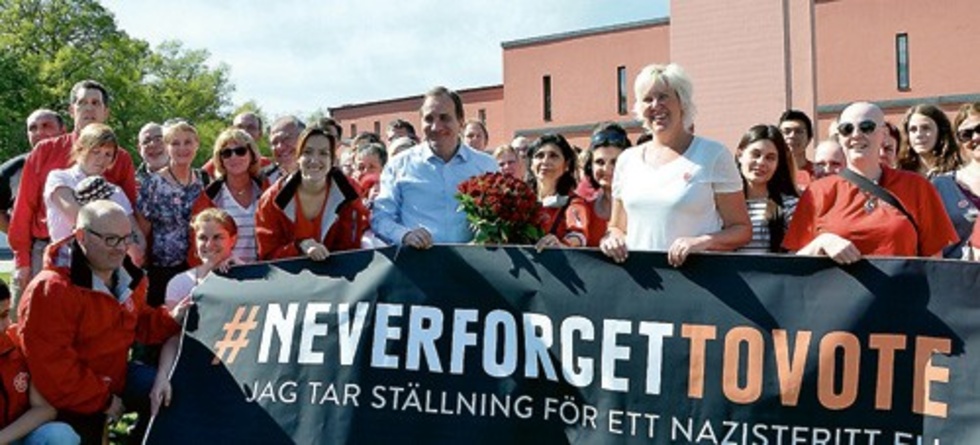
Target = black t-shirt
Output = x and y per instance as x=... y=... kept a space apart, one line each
x=10 y=180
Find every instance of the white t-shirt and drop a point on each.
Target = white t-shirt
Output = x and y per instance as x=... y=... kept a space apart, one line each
x=676 y=199
x=180 y=287
x=245 y=247
x=59 y=226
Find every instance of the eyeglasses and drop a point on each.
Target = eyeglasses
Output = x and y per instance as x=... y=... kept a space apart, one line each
x=607 y=138
x=966 y=134
x=152 y=139
x=237 y=151
x=846 y=128
x=114 y=240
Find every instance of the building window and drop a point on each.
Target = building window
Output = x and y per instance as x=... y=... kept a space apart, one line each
x=902 y=61
x=482 y=114
x=377 y=128
x=621 y=90
x=546 y=86
x=353 y=130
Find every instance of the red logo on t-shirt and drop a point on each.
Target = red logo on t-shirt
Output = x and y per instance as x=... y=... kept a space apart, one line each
x=21 y=381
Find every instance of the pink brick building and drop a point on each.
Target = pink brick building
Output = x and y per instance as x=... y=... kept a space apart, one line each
x=749 y=60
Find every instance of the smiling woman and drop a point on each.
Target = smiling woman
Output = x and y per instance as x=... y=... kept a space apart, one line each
x=313 y=211
x=678 y=193
x=766 y=164
x=66 y=190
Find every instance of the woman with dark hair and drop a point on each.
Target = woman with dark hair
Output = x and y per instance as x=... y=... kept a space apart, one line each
x=767 y=167
x=929 y=147
x=553 y=165
x=960 y=189
x=678 y=193
x=889 y=146
x=314 y=211
x=591 y=217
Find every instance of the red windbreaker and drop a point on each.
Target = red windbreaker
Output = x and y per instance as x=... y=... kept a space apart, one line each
x=29 y=218
x=77 y=337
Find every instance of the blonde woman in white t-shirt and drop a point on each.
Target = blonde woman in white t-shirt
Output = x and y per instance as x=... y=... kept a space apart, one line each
x=678 y=193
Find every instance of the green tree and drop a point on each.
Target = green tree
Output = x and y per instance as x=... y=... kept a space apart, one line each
x=49 y=45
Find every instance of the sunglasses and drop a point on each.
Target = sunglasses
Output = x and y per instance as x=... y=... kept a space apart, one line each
x=966 y=134
x=866 y=127
x=114 y=240
x=607 y=138
x=237 y=151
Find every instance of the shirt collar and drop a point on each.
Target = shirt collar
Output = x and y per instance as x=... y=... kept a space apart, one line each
x=462 y=152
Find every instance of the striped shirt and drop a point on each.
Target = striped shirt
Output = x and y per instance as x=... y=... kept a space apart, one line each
x=760 y=225
x=245 y=248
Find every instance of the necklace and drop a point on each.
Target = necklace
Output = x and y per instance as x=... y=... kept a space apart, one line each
x=179 y=182
x=241 y=192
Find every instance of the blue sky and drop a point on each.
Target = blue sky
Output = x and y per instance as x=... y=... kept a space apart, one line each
x=297 y=56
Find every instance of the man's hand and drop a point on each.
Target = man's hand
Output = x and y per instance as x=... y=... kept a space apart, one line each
x=115 y=410
x=418 y=238
x=22 y=276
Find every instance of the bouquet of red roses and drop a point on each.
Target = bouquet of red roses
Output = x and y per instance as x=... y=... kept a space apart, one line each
x=501 y=209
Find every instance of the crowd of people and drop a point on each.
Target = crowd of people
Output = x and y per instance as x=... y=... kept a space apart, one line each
x=93 y=234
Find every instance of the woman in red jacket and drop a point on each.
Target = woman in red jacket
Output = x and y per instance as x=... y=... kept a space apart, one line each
x=313 y=211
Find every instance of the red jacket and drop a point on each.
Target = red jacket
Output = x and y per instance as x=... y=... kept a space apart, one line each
x=206 y=201
x=344 y=218
x=76 y=337
x=29 y=219
x=14 y=379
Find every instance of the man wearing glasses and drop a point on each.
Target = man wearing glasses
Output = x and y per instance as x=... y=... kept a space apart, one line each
x=89 y=103
x=152 y=151
x=79 y=317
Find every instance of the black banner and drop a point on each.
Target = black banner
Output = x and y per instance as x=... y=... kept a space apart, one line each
x=474 y=345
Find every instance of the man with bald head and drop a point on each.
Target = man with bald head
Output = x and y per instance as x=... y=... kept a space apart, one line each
x=868 y=209
x=80 y=316
x=250 y=122
x=89 y=102
x=828 y=159
x=41 y=124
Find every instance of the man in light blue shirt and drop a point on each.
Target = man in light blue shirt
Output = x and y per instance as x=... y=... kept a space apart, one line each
x=417 y=204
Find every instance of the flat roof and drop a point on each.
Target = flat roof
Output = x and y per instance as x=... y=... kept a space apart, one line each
x=461 y=92
x=585 y=32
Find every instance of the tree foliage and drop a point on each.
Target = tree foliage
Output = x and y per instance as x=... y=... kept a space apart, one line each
x=46 y=46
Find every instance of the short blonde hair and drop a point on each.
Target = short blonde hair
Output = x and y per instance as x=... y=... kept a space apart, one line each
x=91 y=137
x=672 y=76
x=237 y=136
x=170 y=131
x=499 y=151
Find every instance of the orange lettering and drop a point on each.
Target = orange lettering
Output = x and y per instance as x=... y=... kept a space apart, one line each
x=753 y=370
x=790 y=372
x=886 y=344
x=826 y=392
x=699 y=336
x=926 y=373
